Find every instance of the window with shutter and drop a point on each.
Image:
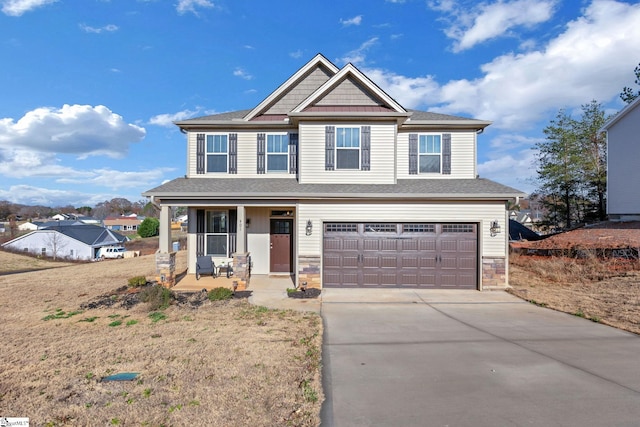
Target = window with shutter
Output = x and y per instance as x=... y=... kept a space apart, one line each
x=413 y=154
x=366 y=148
x=217 y=153
x=329 y=145
x=233 y=153
x=200 y=153
x=261 y=152
x=277 y=153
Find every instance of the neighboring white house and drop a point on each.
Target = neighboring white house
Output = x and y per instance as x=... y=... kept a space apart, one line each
x=333 y=182
x=623 y=174
x=77 y=242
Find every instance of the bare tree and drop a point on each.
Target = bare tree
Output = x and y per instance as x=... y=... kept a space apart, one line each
x=55 y=242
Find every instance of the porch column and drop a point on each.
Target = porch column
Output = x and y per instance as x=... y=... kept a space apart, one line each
x=165 y=230
x=241 y=235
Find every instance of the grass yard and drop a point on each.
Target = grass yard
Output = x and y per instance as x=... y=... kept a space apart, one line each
x=226 y=363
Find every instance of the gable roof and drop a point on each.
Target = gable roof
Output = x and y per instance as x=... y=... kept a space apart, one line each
x=320 y=90
x=615 y=119
x=350 y=73
x=319 y=62
x=90 y=235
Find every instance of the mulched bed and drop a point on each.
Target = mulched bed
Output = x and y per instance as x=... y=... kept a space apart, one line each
x=127 y=297
x=309 y=293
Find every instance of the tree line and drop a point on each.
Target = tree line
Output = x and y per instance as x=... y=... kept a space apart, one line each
x=571 y=165
x=114 y=207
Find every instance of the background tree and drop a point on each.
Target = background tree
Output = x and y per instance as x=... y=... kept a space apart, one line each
x=627 y=94
x=558 y=171
x=149 y=227
x=593 y=144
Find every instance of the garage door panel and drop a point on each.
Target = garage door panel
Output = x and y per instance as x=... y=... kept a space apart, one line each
x=426 y=256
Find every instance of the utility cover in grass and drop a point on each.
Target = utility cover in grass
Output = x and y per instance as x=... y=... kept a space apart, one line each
x=122 y=376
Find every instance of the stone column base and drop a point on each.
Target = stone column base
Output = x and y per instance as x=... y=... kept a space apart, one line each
x=166 y=269
x=309 y=271
x=494 y=273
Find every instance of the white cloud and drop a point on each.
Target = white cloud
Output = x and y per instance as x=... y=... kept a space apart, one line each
x=185 y=6
x=356 y=20
x=116 y=179
x=591 y=59
x=166 y=120
x=410 y=92
x=82 y=130
x=297 y=54
x=487 y=21
x=239 y=72
x=97 y=30
x=18 y=7
x=358 y=56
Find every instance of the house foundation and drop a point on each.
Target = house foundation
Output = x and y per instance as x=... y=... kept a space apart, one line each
x=309 y=271
x=494 y=273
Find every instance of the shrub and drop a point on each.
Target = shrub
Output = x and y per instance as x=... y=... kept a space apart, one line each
x=137 y=281
x=220 y=294
x=158 y=297
x=149 y=227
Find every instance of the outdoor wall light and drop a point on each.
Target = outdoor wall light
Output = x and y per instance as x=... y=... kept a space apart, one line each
x=494 y=228
x=309 y=228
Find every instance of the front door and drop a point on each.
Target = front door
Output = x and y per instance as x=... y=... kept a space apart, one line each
x=280 y=255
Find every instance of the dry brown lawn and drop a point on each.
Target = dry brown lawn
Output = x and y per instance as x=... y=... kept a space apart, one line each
x=605 y=291
x=222 y=364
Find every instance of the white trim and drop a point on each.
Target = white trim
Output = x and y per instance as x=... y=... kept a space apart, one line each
x=615 y=119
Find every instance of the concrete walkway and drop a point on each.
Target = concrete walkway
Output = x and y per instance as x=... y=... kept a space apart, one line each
x=468 y=358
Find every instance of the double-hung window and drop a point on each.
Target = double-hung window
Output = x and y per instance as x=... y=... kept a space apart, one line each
x=430 y=153
x=348 y=148
x=277 y=153
x=217 y=231
x=217 y=152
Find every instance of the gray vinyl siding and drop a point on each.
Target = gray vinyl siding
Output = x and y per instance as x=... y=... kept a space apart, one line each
x=463 y=156
x=623 y=175
x=348 y=92
x=462 y=212
x=311 y=156
x=300 y=92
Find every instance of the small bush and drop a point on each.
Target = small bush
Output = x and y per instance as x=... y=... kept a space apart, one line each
x=137 y=281
x=220 y=294
x=157 y=316
x=158 y=297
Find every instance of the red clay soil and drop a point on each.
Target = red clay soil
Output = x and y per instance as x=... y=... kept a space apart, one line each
x=604 y=235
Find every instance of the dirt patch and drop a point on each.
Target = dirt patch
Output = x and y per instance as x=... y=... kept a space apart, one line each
x=307 y=293
x=601 y=282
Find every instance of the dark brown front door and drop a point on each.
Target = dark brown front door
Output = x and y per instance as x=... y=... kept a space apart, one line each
x=280 y=255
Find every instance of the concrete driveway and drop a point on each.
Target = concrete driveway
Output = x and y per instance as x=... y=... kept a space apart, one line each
x=468 y=358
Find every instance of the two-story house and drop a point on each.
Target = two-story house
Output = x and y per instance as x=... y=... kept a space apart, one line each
x=331 y=180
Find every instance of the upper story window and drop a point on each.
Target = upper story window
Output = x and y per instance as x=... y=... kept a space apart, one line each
x=348 y=148
x=217 y=152
x=277 y=153
x=430 y=153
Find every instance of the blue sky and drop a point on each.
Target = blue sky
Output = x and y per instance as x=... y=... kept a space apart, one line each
x=90 y=88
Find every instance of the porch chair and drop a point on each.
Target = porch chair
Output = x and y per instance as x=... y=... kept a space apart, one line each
x=205 y=265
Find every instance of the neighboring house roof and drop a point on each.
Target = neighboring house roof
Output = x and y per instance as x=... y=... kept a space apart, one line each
x=88 y=234
x=518 y=231
x=615 y=119
x=285 y=188
x=56 y=223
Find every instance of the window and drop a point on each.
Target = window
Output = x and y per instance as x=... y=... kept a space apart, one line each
x=347 y=148
x=277 y=153
x=217 y=229
x=217 y=153
x=430 y=153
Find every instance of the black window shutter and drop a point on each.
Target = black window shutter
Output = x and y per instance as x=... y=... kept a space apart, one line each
x=293 y=153
x=261 y=150
x=200 y=232
x=329 y=147
x=233 y=153
x=200 y=153
x=446 y=154
x=413 y=154
x=365 y=152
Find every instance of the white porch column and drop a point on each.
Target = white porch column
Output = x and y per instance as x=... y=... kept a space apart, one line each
x=165 y=229
x=241 y=234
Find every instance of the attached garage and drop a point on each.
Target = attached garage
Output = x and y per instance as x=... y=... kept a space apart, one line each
x=411 y=255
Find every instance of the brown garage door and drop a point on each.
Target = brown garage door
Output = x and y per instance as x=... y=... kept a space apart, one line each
x=400 y=255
